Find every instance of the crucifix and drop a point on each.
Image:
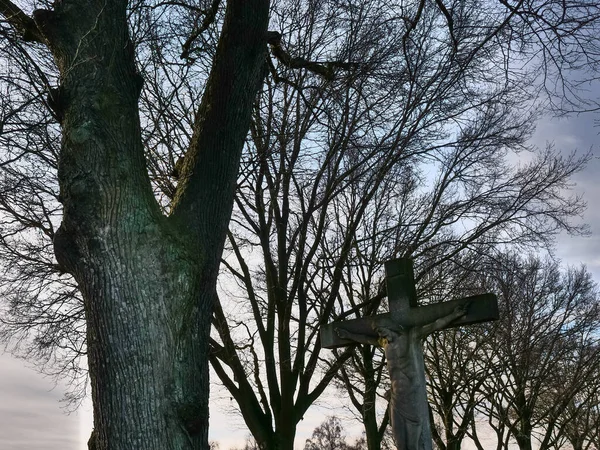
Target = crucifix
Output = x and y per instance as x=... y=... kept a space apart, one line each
x=401 y=332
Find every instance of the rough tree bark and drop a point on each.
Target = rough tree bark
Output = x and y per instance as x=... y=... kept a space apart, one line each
x=147 y=280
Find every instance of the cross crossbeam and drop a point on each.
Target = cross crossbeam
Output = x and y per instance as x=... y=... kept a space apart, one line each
x=405 y=311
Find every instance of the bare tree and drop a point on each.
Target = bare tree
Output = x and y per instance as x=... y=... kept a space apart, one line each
x=327 y=436
x=579 y=424
x=544 y=349
x=330 y=435
x=42 y=310
x=326 y=149
x=455 y=372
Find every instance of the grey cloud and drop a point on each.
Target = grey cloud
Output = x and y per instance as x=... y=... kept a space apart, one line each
x=30 y=414
x=580 y=133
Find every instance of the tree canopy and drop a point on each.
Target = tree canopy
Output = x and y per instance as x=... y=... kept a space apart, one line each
x=338 y=133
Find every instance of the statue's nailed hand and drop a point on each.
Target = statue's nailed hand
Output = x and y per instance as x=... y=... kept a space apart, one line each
x=343 y=334
x=461 y=310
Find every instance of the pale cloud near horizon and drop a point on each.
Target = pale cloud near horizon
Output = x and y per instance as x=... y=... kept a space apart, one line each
x=31 y=417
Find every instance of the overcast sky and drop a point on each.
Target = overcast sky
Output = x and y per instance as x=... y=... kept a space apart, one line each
x=30 y=413
x=579 y=133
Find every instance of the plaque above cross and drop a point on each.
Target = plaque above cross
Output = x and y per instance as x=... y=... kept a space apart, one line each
x=405 y=310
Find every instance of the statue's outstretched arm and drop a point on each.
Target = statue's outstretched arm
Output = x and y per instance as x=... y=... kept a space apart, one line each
x=443 y=322
x=360 y=338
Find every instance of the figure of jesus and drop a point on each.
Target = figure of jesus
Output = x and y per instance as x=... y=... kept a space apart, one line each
x=408 y=395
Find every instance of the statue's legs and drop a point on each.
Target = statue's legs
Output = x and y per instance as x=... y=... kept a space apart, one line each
x=408 y=434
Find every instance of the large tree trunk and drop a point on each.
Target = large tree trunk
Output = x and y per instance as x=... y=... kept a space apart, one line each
x=145 y=292
x=523 y=433
x=147 y=280
x=524 y=442
x=523 y=429
x=372 y=434
x=147 y=348
x=135 y=276
x=284 y=438
x=454 y=444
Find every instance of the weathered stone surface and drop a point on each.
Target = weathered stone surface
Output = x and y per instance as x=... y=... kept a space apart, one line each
x=401 y=332
x=405 y=311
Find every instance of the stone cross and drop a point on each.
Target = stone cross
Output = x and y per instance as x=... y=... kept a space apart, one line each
x=401 y=332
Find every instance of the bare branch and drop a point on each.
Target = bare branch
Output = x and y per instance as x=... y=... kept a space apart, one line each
x=324 y=69
x=209 y=17
x=21 y=22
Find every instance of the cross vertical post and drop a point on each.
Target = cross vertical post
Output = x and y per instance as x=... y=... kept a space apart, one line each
x=401 y=332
